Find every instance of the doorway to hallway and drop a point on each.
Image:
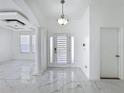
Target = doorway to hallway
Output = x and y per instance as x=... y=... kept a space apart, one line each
x=61 y=49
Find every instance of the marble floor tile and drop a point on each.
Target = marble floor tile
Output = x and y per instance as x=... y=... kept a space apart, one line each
x=54 y=80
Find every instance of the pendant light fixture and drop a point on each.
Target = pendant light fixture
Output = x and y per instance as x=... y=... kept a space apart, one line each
x=62 y=20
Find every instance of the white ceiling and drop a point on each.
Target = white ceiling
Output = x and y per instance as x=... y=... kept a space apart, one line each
x=73 y=9
x=108 y=2
x=51 y=9
x=8 y=5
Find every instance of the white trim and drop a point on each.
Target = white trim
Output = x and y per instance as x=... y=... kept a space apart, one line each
x=121 y=54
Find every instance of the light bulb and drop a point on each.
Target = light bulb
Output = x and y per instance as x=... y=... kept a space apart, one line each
x=62 y=21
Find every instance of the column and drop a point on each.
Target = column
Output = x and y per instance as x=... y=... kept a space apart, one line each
x=37 y=54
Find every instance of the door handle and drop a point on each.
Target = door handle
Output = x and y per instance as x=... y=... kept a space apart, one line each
x=117 y=55
x=55 y=51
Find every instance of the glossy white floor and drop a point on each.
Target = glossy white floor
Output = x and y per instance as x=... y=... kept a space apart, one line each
x=14 y=78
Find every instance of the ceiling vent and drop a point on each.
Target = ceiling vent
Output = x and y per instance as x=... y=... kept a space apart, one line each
x=14 y=20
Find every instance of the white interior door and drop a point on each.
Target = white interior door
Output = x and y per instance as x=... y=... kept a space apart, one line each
x=110 y=53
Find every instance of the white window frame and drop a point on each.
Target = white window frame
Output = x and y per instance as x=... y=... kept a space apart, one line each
x=30 y=41
x=33 y=46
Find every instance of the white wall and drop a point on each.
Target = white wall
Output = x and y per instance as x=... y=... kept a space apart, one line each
x=6 y=52
x=102 y=15
x=85 y=58
x=80 y=30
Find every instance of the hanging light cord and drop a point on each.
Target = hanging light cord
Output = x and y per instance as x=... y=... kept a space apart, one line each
x=62 y=2
x=62 y=10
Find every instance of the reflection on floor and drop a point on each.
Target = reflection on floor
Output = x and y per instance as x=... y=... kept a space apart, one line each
x=53 y=81
x=14 y=69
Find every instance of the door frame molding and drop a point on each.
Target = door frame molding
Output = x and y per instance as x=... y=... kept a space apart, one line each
x=120 y=50
x=57 y=65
